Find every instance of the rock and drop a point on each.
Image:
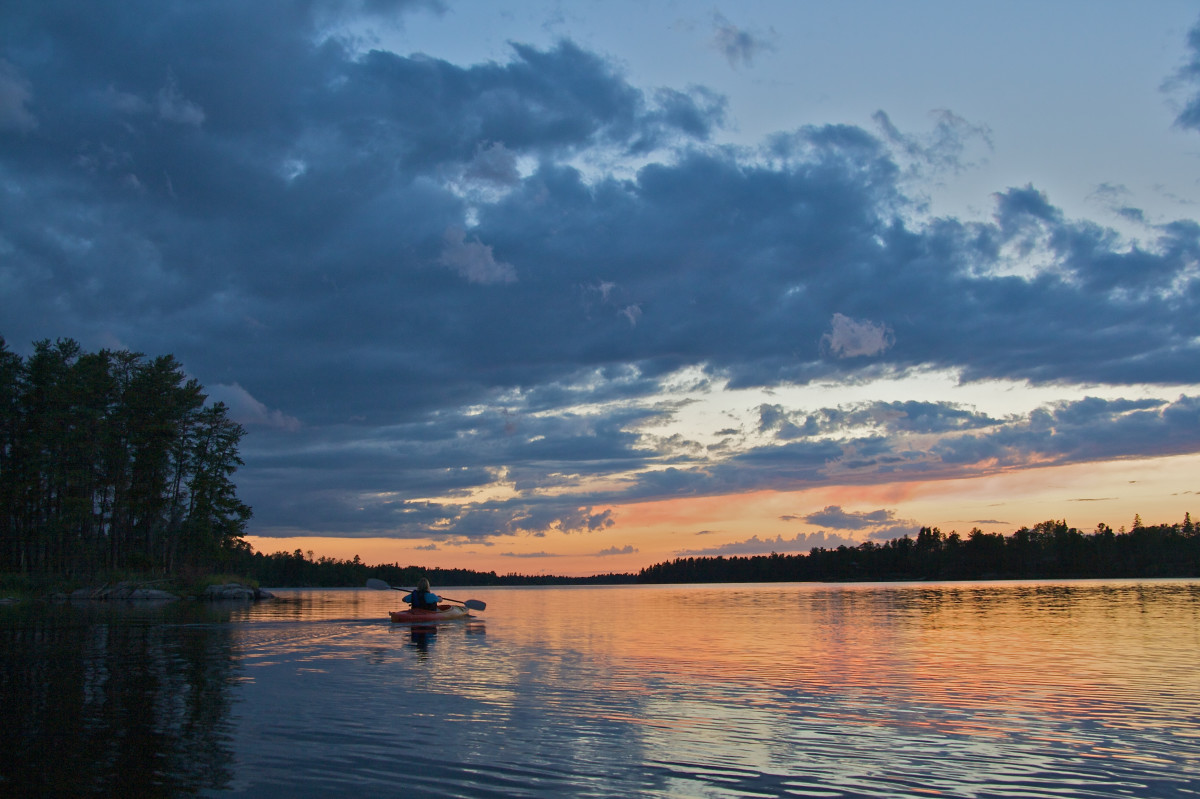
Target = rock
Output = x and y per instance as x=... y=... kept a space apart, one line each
x=149 y=595
x=235 y=592
x=121 y=592
x=133 y=592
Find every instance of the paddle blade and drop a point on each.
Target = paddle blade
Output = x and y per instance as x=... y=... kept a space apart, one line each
x=379 y=585
x=475 y=604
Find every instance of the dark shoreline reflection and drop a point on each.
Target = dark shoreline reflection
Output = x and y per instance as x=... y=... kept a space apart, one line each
x=1006 y=690
x=115 y=700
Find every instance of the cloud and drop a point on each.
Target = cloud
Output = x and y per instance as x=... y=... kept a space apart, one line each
x=15 y=96
x=494 y=164
x=1189 y=76
x=941 y=150
x=629 y=548
x=1069 y=432
x=246 y=410
x=738 y=46
x=785 y=425
x=172 y=106
x=474 y=260
x=893 y=531
x=697 y=112
x=484 y=288
x=900 y=417
x=801 y=542
x=851 y=338
x=833 y=516
x=1082 y=431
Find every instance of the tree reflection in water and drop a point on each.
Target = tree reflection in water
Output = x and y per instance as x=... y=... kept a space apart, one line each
x=115 y=700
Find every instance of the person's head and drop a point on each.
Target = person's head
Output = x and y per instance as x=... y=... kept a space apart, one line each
x=423 y=584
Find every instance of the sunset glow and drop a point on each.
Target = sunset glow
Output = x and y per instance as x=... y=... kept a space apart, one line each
x=525 y=287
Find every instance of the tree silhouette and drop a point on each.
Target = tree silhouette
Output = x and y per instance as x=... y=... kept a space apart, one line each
x=110 y=460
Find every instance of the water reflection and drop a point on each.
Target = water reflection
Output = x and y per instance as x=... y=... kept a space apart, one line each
x=114 y=700
x=986 y=690
x=422 y=636
x=994 y=689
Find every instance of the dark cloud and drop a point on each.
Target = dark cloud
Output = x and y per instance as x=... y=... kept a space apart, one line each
x=697 y=112
x=1189 y=76
x=1087 y=430
x=833 y=516
x=474 y=260
x=737 y=45
x=397 y=272
x=944 y=149
x=628 y=549
x=1083 y=431
x=801 y=542
x=15 y=97
x=894 y=531
x=906 y=416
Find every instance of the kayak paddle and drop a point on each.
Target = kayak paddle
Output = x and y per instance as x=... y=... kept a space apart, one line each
x=473 y=604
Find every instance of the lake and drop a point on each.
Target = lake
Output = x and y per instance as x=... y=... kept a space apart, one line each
x=1080 y=689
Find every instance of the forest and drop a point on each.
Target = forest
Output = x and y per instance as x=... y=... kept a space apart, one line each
x=113 y=461
x=1050 y=549
x=295 y=569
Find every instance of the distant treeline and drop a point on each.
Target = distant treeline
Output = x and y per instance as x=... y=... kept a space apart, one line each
x=1048 y=550
x=301 y=569
x=112 y=461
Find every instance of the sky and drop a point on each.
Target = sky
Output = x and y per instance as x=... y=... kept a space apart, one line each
x=576 y=288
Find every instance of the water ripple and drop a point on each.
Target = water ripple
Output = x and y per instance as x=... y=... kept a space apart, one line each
x=985 y=691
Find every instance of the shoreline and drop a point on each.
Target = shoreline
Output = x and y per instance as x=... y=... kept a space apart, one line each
x=139 y=591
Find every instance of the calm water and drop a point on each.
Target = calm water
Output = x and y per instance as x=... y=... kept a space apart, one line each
x=1076 y=689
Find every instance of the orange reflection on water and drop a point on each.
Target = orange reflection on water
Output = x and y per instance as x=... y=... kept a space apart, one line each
x=999 y=689
x=986 y=657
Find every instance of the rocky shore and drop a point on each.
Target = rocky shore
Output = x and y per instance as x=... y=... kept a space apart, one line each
x=235 y=591
x=139 y=592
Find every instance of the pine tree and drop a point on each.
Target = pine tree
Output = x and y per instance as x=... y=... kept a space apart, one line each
x=112 y=461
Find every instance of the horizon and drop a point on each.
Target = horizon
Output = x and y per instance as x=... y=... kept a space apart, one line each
x=1119 y=530
x=528 y=287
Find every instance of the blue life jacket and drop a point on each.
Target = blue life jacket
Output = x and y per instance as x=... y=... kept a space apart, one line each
x=422 y=600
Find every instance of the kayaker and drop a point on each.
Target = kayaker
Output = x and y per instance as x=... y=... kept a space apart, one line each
x=421 y=598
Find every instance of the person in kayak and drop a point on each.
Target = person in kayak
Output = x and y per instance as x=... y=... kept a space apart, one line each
x=421 y=598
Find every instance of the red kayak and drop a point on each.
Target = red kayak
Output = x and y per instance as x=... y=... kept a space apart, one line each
x=443 y=613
